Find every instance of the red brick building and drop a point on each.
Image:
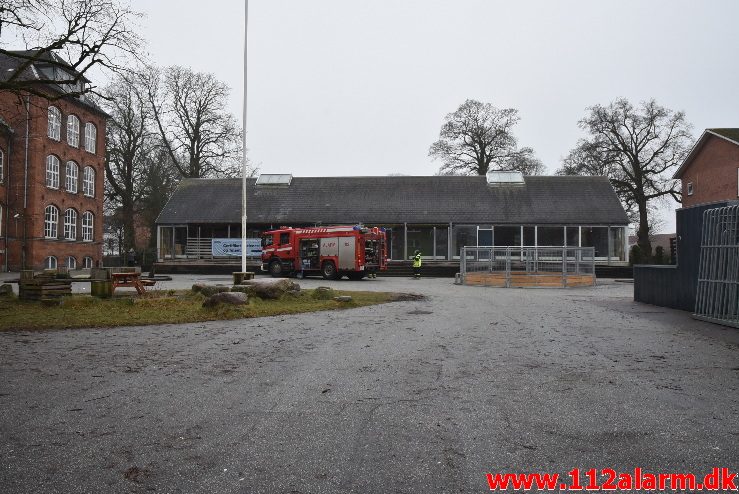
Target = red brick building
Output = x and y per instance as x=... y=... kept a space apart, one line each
x=710 y=173
x=51 y=184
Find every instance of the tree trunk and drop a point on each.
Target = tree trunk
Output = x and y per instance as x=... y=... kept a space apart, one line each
x=642 y=234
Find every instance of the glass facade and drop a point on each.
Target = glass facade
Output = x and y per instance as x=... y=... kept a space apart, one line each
x=462 y=235
x=420 y=238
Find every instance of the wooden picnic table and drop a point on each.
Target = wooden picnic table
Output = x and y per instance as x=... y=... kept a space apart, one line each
x=131 y=280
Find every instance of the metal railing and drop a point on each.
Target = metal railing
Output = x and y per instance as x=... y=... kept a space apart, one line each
x=528 y=266
x=717 y=298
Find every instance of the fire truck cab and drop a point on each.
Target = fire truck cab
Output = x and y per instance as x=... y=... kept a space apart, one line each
x=332 y=251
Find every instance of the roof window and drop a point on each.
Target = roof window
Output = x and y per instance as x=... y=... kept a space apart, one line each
x=504 y=178
x=274 y=179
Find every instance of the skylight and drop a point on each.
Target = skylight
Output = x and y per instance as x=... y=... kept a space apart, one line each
x=274 y=179
x=508 y=177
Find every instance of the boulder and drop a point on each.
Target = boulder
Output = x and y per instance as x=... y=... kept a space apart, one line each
x=6 y=290
x=209 y=290
x=197 y=287
x=231 y=298
x=271 y=289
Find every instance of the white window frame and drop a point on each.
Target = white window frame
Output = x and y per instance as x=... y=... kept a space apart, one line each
x=70 y=224
x=690 y=189
x=1 y=220
x=2 y=166
x=71 y=176
x=51 y=221
x=48 y=264
x=71 y=262
x=87 y=262
x=88 y=182
x=88 y=226
x=73 y=131
x=91 y=135
x=52 y=172
x=55 y=123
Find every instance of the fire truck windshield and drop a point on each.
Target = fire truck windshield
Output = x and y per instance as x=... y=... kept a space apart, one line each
x=266 y=240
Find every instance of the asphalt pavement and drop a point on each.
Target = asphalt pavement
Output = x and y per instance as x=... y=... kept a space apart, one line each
x=418 y=396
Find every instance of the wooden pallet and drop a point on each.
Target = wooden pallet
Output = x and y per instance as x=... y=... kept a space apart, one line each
x=44 y=288
x=522 y=279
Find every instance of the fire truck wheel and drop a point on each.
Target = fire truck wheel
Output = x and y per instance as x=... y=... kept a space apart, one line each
x=328 y=270
x=275 y=268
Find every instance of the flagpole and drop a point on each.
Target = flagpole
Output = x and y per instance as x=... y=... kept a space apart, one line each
x=243 y=145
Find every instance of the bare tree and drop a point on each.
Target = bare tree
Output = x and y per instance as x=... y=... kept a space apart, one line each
x=478 y=138
x=190 y=111
x=130 y=143
x=636 y=148
x=67 y=37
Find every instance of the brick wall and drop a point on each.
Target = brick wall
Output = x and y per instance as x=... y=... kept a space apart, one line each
x=713 y=173
x=38 y=195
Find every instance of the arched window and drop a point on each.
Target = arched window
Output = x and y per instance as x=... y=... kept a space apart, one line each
x=70 y=224
x=91 y=135
x=72 y=177
x=55 y=123
x=71 y=263
x=51 y=220
x=52 y=172
x=87 y=262
x=73 y=131
x=88 y=182
x=87 y=228
x=50 y=262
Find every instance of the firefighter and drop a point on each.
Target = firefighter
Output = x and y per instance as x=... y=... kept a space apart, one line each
x=417 y=264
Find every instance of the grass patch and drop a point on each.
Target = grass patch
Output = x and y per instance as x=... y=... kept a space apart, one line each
x=164 y=307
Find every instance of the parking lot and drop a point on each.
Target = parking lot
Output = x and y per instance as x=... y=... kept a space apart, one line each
x=421 y=396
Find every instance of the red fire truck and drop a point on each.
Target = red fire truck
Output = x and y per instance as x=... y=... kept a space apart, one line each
x=332 y=251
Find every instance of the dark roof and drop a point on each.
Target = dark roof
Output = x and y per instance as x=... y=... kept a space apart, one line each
x=730 y=134
x=398 y=199
x=9 y=62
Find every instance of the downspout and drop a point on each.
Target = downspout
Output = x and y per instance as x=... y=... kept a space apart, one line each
x=7 y=201
x=25 y=184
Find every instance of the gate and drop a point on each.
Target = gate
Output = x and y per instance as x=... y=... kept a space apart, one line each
x=717 y=299
x=516 y=266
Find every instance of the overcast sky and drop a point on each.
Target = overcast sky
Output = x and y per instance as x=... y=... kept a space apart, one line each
x=345 y=87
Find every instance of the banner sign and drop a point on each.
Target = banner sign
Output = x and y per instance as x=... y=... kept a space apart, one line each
x=232 y=247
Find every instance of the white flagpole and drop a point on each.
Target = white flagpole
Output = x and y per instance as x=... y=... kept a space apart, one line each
x=243 y=144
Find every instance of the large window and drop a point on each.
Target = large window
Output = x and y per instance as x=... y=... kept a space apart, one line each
x=70 y=224
x=88 y=182
x=71 y=263
x=71 y=177
x=91 y=135
x=87 y=228
x=422 y=239
x=55 y=123
x=51 y=219
x=50 y=262
x=463 y=235
x=596 y=236
x=506 y=236
x=549 y=236
x=73 y=131
x=87 y=262
x=52 y=172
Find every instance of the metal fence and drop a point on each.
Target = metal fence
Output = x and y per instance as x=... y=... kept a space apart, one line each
x=516 y=266
x=717 y=299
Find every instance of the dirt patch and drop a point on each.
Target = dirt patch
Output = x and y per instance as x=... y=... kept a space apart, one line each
x=406 y=297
